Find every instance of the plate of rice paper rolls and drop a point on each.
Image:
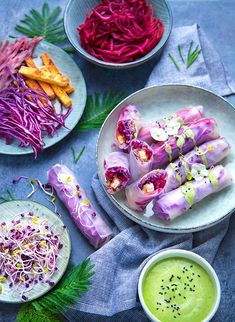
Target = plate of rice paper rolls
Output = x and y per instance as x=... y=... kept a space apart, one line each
x=166 y=160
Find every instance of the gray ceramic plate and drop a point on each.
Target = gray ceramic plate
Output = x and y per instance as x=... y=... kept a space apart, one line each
x=75 y=14
x=154 y=103
x=11 y=210
x=69 y=68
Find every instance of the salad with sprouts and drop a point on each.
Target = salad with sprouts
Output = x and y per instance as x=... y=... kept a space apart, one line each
x=29 y=250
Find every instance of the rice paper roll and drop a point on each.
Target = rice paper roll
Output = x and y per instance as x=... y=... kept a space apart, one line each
x=140 y=193
x=89 y=222
x=128 y=126
x=116 y=171
x=208 y=154
x=188 y=137
x=141 y=159
x=177 y=202
x=184 y=116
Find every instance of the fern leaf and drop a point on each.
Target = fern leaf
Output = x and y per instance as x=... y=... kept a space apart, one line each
x=28 y=313
x=45 y=23
x=97 y=109
x=69 y=289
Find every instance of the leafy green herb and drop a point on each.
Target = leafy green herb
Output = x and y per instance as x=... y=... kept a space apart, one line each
x=49 y=307
x=192 y=55
x=174 y=61
x=180 y=52
x=45 y=23
x=10 y=194
x=77 y=157
x=97 y=109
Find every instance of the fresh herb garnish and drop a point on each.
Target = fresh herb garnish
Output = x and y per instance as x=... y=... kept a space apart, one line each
x=10 y=194
x=97 y=109
x=174 y=61
x=46 y=24
x=49 y=307
x=77 y=157
x=180 y=52
x=191 y=56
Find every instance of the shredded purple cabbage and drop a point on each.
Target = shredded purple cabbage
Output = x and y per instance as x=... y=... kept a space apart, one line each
x=27 y=115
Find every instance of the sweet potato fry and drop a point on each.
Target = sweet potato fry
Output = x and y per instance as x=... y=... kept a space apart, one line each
x=60 y=92
x=46 y=87
x=44 y=76
x=32 y=84
x=48 y=62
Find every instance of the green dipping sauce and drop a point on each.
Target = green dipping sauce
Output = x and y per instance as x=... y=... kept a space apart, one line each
x=178 y=289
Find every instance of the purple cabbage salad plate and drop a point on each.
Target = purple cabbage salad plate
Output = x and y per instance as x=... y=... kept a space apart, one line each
x=69 y=68
x=203 y=142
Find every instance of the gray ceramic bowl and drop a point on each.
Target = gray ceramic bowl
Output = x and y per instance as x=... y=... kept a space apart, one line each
x=75 y=14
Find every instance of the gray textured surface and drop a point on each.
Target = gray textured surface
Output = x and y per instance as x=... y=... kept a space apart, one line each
x=217 y=19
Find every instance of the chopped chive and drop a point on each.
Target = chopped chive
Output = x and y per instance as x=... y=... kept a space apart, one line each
x=174 y=61
x=10 y=194
x=189 y=51
x=180 y=52
x=77 y=157
x=193 y=58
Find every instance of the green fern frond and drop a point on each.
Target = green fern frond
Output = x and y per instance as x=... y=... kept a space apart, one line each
x=97 y=109
x=49 y=307
x=45 y=23
x=28 y=313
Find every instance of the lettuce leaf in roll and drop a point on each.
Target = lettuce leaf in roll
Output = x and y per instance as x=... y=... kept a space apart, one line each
x=116 y=171
x=177 y=202
x=144 y=190
x=79 y=206
x=184 y=116
x=141 y=158
x=188 y=137
x=128 y=126
x=209 y=154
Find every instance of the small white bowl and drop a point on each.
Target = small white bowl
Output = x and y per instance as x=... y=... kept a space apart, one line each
x=185 y=254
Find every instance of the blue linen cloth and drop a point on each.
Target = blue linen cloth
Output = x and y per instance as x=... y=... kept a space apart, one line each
x=118 y=263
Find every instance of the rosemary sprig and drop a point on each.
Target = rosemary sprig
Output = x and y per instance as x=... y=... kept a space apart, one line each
x=47 y=23
x=49 y=307
x=174 y=61
x=77 y=157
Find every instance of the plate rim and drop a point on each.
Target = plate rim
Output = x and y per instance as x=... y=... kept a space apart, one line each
x=142 y=221
x=69 y=246
x=22 y=151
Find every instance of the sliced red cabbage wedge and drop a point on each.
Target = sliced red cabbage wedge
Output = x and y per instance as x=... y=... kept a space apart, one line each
x=177 y=202
x=140 y=193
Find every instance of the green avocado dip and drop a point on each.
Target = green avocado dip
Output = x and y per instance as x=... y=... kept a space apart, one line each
x=178 y=289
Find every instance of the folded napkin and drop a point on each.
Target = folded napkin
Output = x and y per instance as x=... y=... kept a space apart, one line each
x=207 y=71
x=119 y=263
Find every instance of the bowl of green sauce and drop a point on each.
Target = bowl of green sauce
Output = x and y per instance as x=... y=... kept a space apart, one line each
x=179 y=285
